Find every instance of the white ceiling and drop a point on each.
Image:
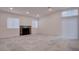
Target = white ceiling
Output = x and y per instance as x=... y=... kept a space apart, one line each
x=42 y=11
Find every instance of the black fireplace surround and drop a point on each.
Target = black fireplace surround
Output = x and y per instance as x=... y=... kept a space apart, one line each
x=25 y=30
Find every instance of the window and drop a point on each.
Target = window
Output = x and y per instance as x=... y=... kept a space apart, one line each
x=35 y=23
x=68 y=13
x=69 y=28
x=69 y=24
x=12 y=23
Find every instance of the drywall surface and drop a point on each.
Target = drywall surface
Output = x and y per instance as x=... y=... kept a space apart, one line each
x=50 y=25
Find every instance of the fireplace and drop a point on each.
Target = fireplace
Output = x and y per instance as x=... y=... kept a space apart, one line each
x=25 y=30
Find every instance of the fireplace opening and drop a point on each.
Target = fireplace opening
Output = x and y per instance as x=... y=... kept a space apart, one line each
x=25 y=30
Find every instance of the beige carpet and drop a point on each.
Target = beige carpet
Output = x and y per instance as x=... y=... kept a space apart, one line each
x=38 y=43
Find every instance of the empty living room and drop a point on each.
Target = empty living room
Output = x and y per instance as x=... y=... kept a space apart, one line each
x=39 y=29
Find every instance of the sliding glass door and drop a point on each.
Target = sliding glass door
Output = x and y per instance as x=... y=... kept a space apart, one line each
x=70 y=28
x=70 y=23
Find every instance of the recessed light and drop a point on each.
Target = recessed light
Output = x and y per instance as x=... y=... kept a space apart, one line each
x=49 y=9
x=37 y=15
x=27 y=12
x=11 y=8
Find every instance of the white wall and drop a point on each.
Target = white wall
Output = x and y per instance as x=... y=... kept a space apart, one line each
x=27 y=21
x=78 y=27
x=78 y=24
x=6 y=32
x=50 y=25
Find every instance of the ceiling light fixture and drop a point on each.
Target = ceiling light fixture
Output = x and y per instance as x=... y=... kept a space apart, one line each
x=37 y=15
x=11 y=8
x=49 y=9
x=27 y=12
